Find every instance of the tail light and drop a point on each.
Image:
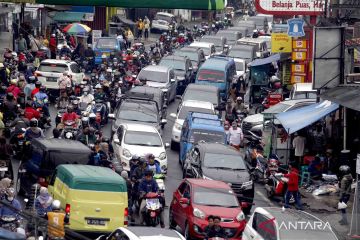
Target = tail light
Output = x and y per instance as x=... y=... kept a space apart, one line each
x=126 y=214
x=67 y=208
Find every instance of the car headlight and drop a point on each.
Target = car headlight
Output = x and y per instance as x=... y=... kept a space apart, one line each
x=247 y=185
x=207 y=178
x=162 y=156
x=126 y=153
x=198 y=213
x=240 y=217
x=178 y=126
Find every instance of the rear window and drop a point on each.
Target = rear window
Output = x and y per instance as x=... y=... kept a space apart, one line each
x=163 y=17
x=211 y=75
x=52 y=67
x=106 y=43
x=103 y=187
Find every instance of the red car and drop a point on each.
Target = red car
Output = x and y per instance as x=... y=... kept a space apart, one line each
x=196 y=199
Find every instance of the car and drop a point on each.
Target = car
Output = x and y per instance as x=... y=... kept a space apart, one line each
x=141 y=233
x=231 y=36
x=242 y=29
x=274 y=223
x=218 y=41
x=182 y=67
x=196 y=199
x=162 y=77
x=216 y=161
x=204 y=93
x=132 y=138
x=137 y=110
x=303 y=91
x=183 y=110
x=241 y=69
x=162 y=21
x=259 y=43
x=106 y=46
x=196 y=56
x=207 y=47
x=246 y=52
x=50 y=70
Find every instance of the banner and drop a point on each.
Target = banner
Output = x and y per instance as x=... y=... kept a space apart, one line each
x=281 y=43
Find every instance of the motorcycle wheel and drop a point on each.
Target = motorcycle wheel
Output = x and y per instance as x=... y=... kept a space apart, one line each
x=259 y=109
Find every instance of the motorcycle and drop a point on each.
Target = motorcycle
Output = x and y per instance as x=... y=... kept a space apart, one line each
x=153 y=209
x=251 y=141
x=270 y=98
x=70 y=130
x=276 y=186
x=101 y=112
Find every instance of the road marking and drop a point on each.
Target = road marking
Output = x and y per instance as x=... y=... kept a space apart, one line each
x=264 y=198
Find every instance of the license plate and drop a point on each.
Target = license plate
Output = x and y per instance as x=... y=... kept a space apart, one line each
x=96 y=222
x=152 y=214
x=51 y=79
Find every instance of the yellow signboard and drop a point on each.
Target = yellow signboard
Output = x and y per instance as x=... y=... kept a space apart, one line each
x=297 y=79
x=281 y=42
x=300 y=56
x=298 y=68
x=299 y=44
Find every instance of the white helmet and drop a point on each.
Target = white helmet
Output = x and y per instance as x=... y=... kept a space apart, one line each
x=109 y=70
x=56 y=205
x=98 y=86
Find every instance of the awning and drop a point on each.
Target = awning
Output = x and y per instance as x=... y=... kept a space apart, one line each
x=347 y=96
x=263 y=61
x=68 y=17
x=297 y=119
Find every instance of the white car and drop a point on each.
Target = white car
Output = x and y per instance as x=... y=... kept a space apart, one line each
x=278 y=224
x=184 y=109
x=162 y=21
x=142 y=233
x=137 y=139
x=208 y=48
x=50 y=70
x=241 y=69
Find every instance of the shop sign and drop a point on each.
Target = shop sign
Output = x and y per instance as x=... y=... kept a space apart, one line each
x=298 y=56
x=281 y=42
x=296 y=27
x=300 y=44
x=298 y=68
x=290 y=7
x=297 y=79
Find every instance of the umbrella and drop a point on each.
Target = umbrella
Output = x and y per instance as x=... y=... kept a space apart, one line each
x=77 y=29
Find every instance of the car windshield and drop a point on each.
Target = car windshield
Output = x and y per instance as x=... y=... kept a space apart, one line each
x=55 y=68
x=207 y=136
x=142 y=139
x=185 y=110
x=138 y=114
x=106 y=43
x=206 y=50
x=163 y=17
x=215 y=197
x=193 y=56
x=216 y=41
x=245 y=54
x=239 y=66
x=225 y=161
x=305 y=95
x=278 y=108
x=203 y=96
x=177 y=65
x=154 y=76
x=211 y=75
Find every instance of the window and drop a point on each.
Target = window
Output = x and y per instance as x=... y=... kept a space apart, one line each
x=75 y=68
x=264 y=226
x=118 y=235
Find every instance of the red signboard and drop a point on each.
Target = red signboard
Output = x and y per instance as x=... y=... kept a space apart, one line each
x=290 y=7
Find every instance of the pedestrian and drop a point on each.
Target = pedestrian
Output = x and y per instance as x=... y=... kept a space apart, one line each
x=292 y=187
x=227 y=129
x=43 y=202
x=345 y=191
x=129 y=37
x=209 y=227
x=217 y=231
x=319 y=140
x=140 y=28
x=56 y=221
x=241 y=87
x=236 y=135
x=22 y=45
x=299 y=146
x=34 y=45
x=53 y=46
x=146 y=28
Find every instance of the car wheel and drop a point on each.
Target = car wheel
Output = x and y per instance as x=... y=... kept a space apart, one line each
x=187 y=232
x=172 y=223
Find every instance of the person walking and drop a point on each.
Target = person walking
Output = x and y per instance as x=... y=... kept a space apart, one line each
x=345 y=191
x=56 y=221
x=22 y=45
x=146 y=28
x=299 y=146
x=34 y=45
x=235 y=135
x=292 y=187
x=140 y=28
x=129 y=37
x=53 y=46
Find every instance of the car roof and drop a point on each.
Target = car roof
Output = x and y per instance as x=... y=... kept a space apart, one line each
x=218 y=148
x=175 y=58
x=201 y=44
x=216 y=63
x=139 y=128
x=145 y=90
x=56 y=61
x=157 y=68
x=189 y=49
x=211 y=37
x=63 y=145
x=254 y=40
x=306 y=87
x=285 y=105
x=165 y=14
x=207 y=183
x=241 y=47
x=205 y=88
x=197 y=104
x=151 y=233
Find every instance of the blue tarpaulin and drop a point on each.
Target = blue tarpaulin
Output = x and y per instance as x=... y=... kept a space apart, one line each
x=263 y=61
x=297 y=119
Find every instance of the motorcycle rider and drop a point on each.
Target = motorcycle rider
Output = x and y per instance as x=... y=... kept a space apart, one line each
x=128 y=56
x=99 y=92
x=43 y=202
x=13 y=88
x=109 y=75
x=239 y=106
x=30 y=112
x=20 y=122
x=56 y=221
x=36 y=89
x=90 y=55
x=29 y=87
x=65 y=50
x=10 y=199
x=9 y=107
x=64 y=82
x=70 y=115
x=87 y=97
x=34 y=131
x=87 y=136
x=134 y=163
x=41 y=99
x=152 y=164
x=76 y=108
x=147 y=185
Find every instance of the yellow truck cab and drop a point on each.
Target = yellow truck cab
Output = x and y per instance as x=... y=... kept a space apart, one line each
x=94 y=197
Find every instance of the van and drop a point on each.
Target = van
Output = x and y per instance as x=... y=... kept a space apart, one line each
x=261 y=22
x=218 y=41
x=217 y=71
x=106 y=46
x=246 y=52
x=245 y=32
x=207 y=47
x=249 y=24
x=231 y=36
x=200 y=127
x=94 y=197
x=162 y=22
x=303 y=91
x=259 y=43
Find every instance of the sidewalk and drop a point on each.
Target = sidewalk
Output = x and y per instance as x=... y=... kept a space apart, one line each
x=5 y=42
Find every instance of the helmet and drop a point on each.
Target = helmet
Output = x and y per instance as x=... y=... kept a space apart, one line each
x=42 y=88
x=124 y=174
x=344 y=169
x=92 y=115
x=150 y=156
x=75 y=102
x=70 y=108
x=33 y=122
x=32 y=79
x=274 y=78
x=56 y=205
x=103 y=56
x=135 y=158
x=89 y=45
x=239 y=99
x=195 y=26
x=10 y=96
x=128 y=50
x=148 y=173
x=38 y=84
x=98 y=86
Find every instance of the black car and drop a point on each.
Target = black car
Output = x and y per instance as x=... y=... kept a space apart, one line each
x=137 y=110
x=204 y=93
x=150 y=93
x=196 y=56
x=183 y=69
x=221 y=162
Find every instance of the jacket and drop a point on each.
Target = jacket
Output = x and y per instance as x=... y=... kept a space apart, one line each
x=148 y=186
x=345 y=185
x=5 y=211
x=14 y=90
x=56 y=221
x=155 y=168
x=31 y=113
x=293 y=184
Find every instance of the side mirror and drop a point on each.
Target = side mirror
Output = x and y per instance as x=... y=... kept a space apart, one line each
x=167 y=145
x=173 y=115
x=172 y=80
x=111 y=116
x=117 y=141
x=163 y=121
x=184 y=201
